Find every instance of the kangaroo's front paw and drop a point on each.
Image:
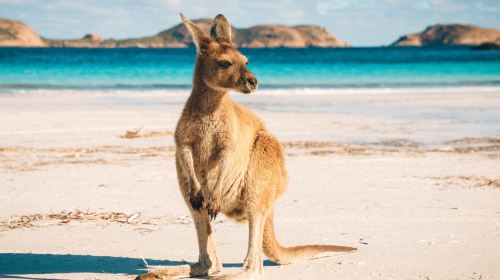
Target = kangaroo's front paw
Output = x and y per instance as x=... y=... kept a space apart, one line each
x=196 y=200
x=213 y=208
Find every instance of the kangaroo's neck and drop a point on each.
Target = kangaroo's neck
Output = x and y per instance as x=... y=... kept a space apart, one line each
x=205 y=99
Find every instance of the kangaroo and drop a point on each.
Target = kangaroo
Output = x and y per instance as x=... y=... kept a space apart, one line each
x=228 y=162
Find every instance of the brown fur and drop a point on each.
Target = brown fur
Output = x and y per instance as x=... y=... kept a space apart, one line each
x=227 y=161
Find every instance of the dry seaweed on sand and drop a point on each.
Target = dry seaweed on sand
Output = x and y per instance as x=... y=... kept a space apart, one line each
x=136 y=133
x=33 y=158
x=64 y=217
x=132 y=133
x=467 y=181
x=321 y=148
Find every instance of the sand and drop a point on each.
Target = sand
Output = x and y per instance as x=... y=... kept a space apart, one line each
x=418 y=196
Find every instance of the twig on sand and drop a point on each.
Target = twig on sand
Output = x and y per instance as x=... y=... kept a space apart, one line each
x=145 y=263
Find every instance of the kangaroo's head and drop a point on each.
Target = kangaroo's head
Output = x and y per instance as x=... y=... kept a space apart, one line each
x=219 y=64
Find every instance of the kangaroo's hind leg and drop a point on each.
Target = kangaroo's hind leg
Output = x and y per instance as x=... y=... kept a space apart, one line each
x=208 y=262
x=265 y=180
x=253 y=265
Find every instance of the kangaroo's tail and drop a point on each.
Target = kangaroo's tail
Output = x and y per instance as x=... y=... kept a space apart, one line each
x=288 y=255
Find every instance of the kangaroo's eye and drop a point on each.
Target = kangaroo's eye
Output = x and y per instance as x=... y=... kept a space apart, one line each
x=224 y=64
x=246 y=63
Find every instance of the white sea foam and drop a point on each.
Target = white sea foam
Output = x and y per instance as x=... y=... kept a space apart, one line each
x=265 y=91
x=396 y=90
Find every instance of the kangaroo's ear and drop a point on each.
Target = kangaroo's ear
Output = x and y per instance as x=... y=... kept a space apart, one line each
x=200 y=38
x=221 y=30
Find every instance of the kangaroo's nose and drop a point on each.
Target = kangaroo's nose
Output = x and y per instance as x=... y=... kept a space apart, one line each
x=252 y=82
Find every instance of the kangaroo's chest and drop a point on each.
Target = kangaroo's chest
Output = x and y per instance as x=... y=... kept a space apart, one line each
x=210 y=136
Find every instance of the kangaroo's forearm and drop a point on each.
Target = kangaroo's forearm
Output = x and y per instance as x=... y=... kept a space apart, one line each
x=224 y=166
x=187 y=165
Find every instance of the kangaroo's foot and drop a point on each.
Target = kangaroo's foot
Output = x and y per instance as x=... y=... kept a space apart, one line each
x=252 y=269
x=181 y=271
x=246 y=274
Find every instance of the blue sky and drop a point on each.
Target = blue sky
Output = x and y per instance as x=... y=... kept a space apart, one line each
x=359 y=22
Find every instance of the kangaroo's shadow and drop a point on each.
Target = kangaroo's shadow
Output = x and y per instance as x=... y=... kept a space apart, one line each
x=19 y=263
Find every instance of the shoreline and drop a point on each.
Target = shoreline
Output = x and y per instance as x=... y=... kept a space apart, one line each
x=296 y=90
x=293 y=90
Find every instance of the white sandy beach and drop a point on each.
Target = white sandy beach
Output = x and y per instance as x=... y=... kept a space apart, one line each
x=409 y=178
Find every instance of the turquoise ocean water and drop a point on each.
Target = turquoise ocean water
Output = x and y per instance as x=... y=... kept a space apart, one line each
x=32 y=69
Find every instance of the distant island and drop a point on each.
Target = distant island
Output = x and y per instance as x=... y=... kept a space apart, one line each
x=15 y=33
x=452 y=35
x=18 y=34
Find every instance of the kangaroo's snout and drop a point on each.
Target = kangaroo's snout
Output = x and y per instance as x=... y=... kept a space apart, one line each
x=252 y=83
x=248 y=83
